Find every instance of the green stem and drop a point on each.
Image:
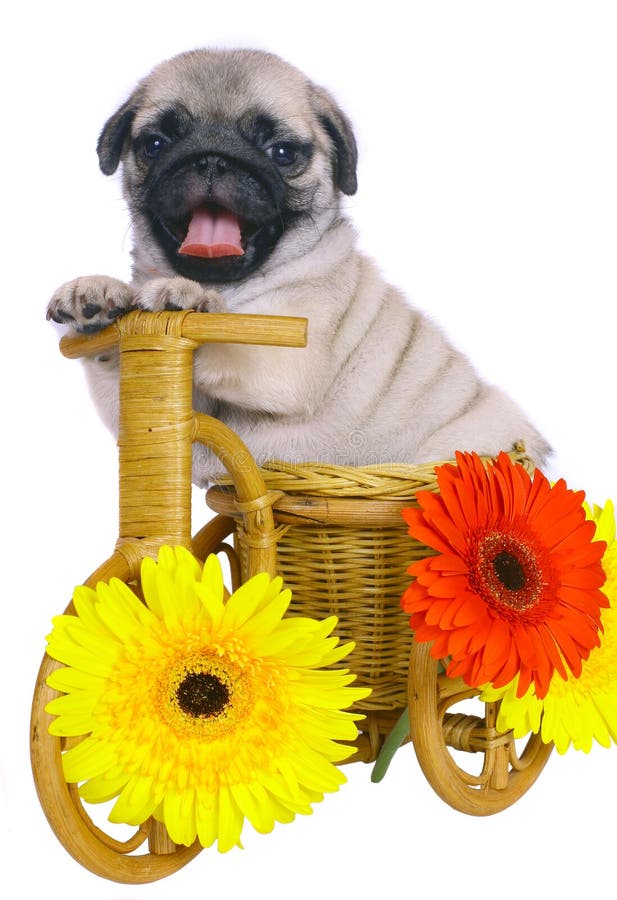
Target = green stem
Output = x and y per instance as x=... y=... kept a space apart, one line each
x=391 y=745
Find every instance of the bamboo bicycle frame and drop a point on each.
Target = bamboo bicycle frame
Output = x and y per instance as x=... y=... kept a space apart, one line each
x=156 y=432
x=157 y=429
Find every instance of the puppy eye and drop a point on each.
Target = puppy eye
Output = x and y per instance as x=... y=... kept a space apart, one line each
x=283 y=153
x=153 y=146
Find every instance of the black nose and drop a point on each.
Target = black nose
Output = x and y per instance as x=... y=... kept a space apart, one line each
x=212 y=164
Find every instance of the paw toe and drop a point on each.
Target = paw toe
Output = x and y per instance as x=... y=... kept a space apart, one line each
x=90 y=304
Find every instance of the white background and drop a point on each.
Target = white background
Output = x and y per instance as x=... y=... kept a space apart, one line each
x=488 y=153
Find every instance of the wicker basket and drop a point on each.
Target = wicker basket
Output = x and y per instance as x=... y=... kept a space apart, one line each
x=344 y=550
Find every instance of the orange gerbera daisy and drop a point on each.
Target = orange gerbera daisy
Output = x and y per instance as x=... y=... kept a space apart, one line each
x=515 y=587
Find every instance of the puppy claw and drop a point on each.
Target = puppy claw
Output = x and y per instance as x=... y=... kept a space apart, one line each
x=61 y=318
x=176 y=294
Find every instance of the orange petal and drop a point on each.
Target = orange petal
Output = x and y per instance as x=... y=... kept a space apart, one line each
x=498 y=644
x=469 y=506
x=514 y=484
x=548 y=643
x=585 y=631
x=482 y=630
x=525 y=677
x=426 y=578
x=582 y=554
x=509 y=670
x=539 y=495
x=453 y=565
x=424 y=633
x=439 y=649
x=575 y=604
x=527 y=650
x=584 y=578
x=419 y=567
x=451 y=496
x=412 y=516
x=567 y=646
x=449 y=586
x=458 y=641
x=566 y=527
x=449 y=532
x=542 y=681
x=470 y=610
x=431 y=504
x=581 y=603
x=410 y=598
x=540 y=675
x=427 y=534
x=448 y=620
x=478 y=673
x=460 y=668
x=435 y=612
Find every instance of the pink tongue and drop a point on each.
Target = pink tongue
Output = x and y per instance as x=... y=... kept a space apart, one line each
x=212 y=232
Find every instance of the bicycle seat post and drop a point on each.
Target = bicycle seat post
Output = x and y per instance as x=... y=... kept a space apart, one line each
x=155 y=430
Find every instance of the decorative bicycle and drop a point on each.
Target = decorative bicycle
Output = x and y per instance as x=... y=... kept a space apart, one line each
x=334 y=534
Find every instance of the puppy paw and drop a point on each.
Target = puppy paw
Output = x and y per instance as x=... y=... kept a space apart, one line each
x=177 y=293
x=90 y=303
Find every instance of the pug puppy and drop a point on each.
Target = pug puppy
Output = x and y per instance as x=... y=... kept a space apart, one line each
x=234 y=165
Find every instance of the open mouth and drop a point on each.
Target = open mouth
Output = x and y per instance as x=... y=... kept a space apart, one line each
x=210 y=231
x=213 y=232
x=215 y=244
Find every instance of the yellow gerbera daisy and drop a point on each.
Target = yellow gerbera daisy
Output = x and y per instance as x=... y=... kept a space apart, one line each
x=580 y=710
x=198 y=710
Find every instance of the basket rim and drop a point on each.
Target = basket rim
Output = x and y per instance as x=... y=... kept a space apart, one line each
x=386 y=481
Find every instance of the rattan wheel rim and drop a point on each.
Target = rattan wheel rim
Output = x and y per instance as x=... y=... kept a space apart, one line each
x=446 y=778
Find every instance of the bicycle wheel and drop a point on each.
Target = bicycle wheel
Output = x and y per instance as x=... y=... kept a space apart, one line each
x=505 y=773
x=149 y=854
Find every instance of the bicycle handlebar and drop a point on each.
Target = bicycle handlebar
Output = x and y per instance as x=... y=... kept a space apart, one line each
x=213 y=328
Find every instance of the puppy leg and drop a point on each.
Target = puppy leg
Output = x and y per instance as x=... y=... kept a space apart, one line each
x=177 y=293
x=90 y=303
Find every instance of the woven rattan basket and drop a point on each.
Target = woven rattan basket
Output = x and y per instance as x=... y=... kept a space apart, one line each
x=343 y=548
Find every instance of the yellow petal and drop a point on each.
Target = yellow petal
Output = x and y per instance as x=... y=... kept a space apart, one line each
x=179 y=815
x=85 y=601
x=67 y=679
x=212 y=578
x=253 y=803
x=76 y=704
x=88 y=759
x=231 y=821
x=136 y=802
x=264 y=621
x=207 y=818
x=103 y=788
x=242 y=603
x=71 y=726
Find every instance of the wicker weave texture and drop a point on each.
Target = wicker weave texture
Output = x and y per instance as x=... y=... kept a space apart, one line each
x=358 y=575
x=337 y=561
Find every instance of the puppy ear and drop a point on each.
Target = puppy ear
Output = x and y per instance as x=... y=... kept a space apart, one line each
x=338 y=128
x=113 y=136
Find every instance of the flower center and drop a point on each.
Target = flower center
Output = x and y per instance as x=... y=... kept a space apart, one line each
x=507 y=573
x=202 y=694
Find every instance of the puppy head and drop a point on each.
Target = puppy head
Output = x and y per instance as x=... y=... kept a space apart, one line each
x=226 y=155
